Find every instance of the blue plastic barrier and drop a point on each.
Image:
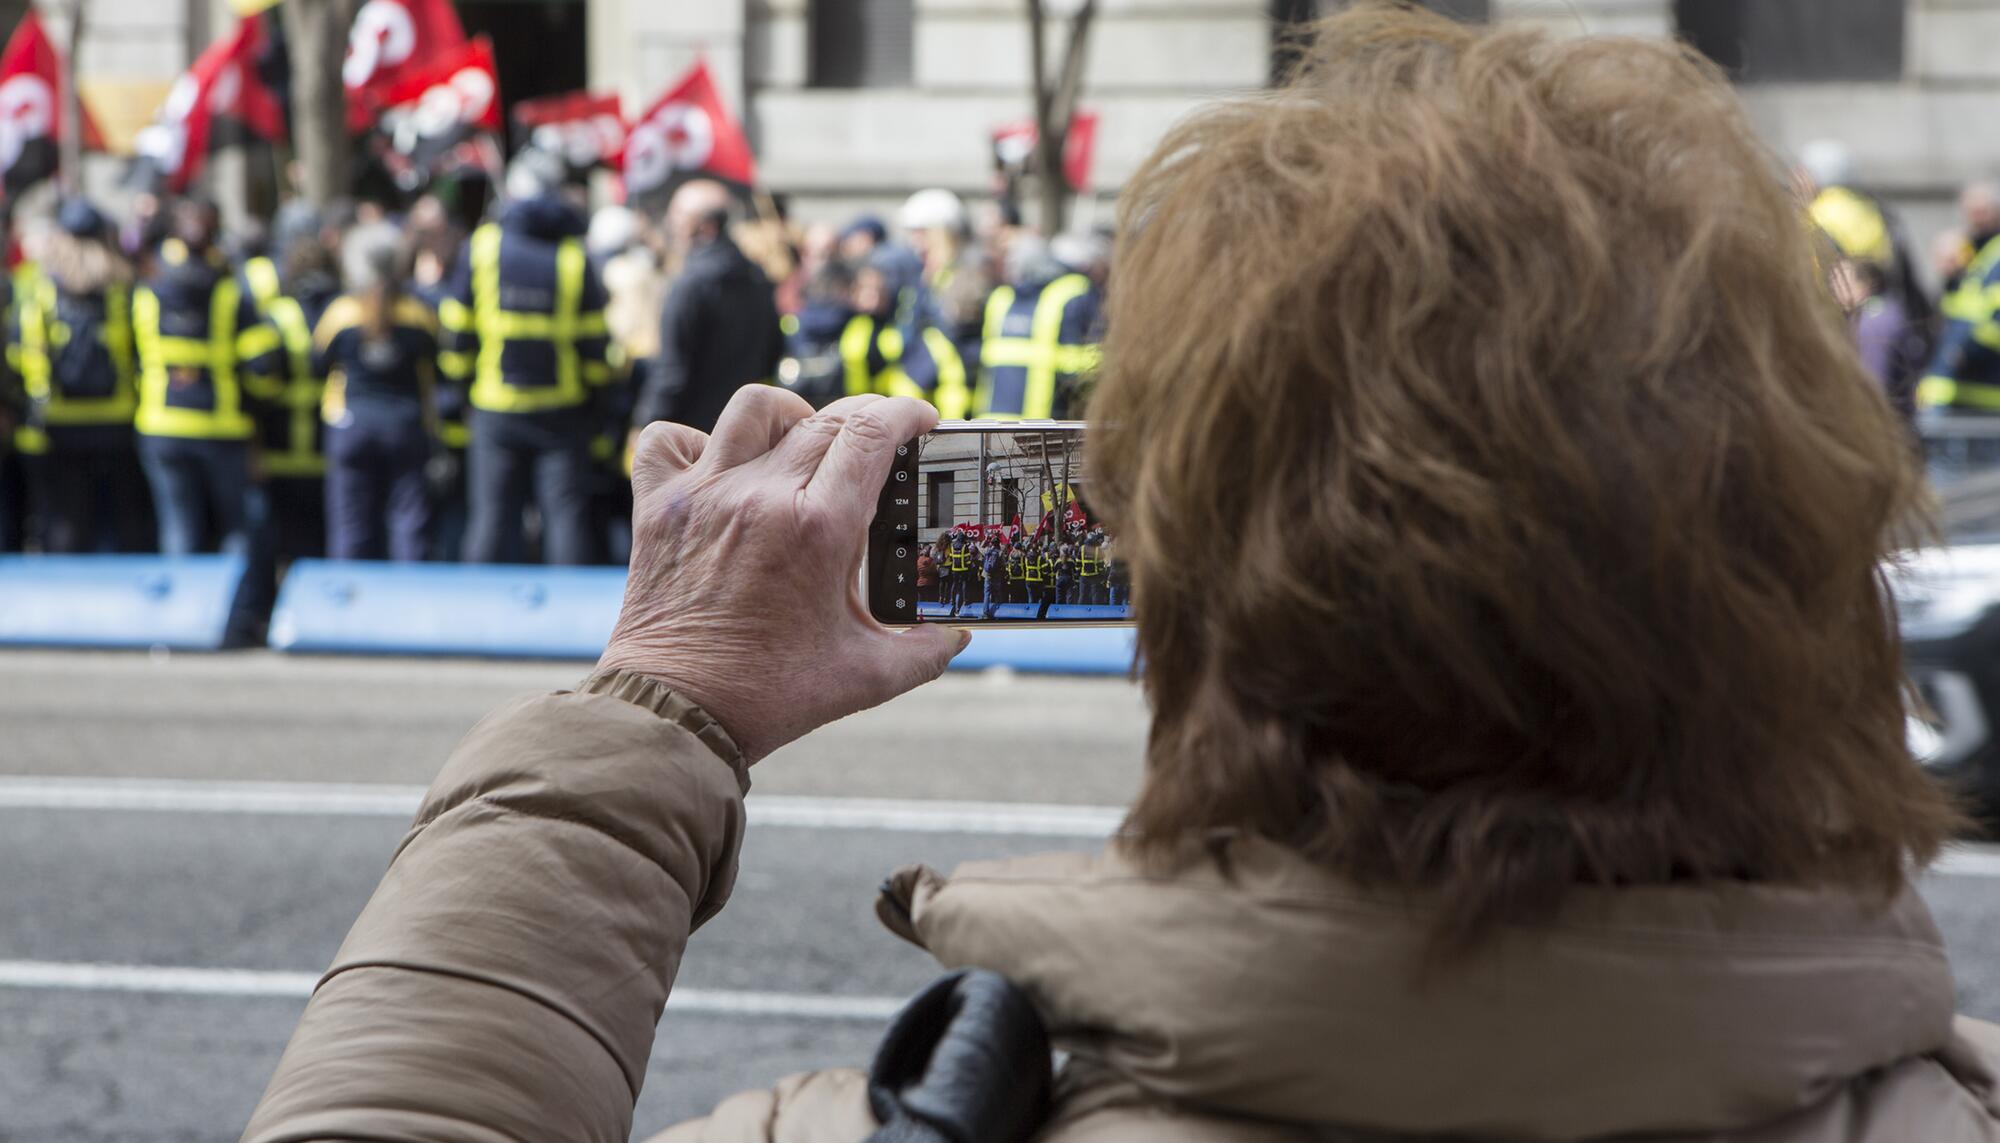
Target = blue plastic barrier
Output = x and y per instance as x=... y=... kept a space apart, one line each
x=565 y=613
x=447 y=609
x=117 y=601
x=1059 y=650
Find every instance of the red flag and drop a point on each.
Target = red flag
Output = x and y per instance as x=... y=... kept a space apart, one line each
x=460 y=89
x=688 y=131
x=586 y=129
x=429 y=114
x=31 y=125
x=1079 y=148
x=1014 y=146
x=217 y=102
x=391 y=41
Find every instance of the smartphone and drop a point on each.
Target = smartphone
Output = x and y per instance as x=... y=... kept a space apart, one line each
x=990 y=522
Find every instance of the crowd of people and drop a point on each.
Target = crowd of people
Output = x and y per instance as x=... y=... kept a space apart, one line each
x=377 y=382
x=966 y=572
x=1934 y=353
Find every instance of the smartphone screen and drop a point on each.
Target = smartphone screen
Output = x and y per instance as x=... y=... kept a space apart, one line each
x=991 y=522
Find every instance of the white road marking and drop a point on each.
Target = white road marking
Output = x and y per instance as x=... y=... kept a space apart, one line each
x=887 y=815
x=36 y=974
x=364 y=800
x=1969 y=861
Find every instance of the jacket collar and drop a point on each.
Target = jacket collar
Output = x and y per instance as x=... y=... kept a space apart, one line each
x=1258 y=985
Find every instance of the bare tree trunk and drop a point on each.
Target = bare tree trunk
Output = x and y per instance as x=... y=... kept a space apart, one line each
x=316 y=35
x=70 y=146
x=1051 y=205
x=1054 y=106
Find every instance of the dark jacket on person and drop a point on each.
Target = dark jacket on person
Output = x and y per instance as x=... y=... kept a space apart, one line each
x=1252 y=996
x=532 y=235
x=387 y=380
x=1893 y=348
x=183 y=291
x=71 y=324
x=719 y=333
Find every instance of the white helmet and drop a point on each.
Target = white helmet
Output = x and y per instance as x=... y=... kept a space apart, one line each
x=1828 y=162
x=932 y=209
x=612 y=230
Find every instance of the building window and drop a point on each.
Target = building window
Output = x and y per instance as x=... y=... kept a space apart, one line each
x=938 y=511
x=1293 y=21
x=1466 y=11
x=1010 y=500
x=862 y=43
x=1774 y=41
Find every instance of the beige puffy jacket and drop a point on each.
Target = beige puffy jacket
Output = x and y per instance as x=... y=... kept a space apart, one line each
x=504 y=982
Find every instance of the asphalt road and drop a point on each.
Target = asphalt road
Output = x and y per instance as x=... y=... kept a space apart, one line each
x=97 y=1044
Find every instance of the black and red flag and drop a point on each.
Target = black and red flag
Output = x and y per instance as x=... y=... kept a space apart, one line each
x=31 y=114
x=688 y=133
x=1014 y=147
x=585 y=129
x=440 y=119
x=391 y=42
x=221 y=101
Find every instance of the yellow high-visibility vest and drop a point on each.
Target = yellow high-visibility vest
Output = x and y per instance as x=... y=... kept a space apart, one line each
x=218 y=354
x=1977 y=305
x=495 y=327
x=40 y=333
x=301 y=393
x=1031 y=365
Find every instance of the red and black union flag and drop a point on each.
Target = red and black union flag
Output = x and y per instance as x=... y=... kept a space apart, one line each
x=392 y=43
x=31 y=113
x=689 y=133
x=437 y=119
x=586 y=129
x=219 y=102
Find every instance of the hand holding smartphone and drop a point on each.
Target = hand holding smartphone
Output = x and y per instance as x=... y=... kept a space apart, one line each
x=989 y=523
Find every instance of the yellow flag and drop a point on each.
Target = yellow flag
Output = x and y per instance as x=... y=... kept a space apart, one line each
x=252 y=7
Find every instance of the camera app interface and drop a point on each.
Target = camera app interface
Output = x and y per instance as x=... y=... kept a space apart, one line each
x=996 y=527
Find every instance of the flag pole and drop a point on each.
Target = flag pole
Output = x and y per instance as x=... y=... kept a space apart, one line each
x=70 y=153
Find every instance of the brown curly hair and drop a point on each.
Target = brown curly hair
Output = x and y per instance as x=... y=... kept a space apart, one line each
x=1504 y=499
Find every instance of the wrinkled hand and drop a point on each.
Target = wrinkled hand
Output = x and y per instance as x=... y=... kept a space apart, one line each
x=747 y=545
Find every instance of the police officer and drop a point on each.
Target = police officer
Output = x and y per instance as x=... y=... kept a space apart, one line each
x=202 y=353
x=962 y=573
x=1964 y=373
x=913 y=357
x=1036 y=572
x=291 y=295
x=524 y=322
x=1090 y=569
x=377 y=347
x=70 y=342
x=1040 y=343
x=872 y=312
x=436 y=248
x=1065 y=574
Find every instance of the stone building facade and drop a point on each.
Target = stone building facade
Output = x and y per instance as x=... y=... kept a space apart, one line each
x=853 y=103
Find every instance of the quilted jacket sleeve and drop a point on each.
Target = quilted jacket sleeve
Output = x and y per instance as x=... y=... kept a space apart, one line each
x=505 y=979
